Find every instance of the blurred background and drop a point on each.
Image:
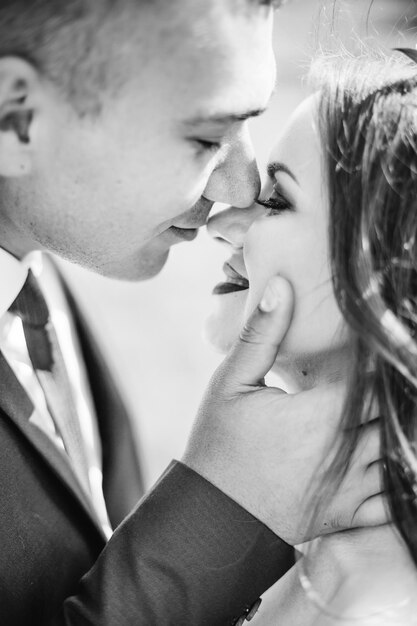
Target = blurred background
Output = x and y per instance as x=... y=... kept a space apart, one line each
x=152 y=331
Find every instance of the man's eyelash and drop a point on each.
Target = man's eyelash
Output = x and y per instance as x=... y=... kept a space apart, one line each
x=209 y=145
x=276 y=4
x=205 y=147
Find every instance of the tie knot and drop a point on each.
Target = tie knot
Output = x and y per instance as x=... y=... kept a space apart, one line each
x=30 y=305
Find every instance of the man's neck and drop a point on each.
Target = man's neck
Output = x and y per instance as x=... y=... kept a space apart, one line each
x=14 y=243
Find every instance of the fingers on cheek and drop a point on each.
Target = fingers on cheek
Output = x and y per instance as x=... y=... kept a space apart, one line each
x=373 y=481
x=373 y=512
x=368 y=449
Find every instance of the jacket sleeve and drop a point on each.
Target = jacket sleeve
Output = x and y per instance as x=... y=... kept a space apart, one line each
x=186 y=556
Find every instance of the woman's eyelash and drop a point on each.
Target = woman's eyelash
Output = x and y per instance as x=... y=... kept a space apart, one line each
x=276 y=203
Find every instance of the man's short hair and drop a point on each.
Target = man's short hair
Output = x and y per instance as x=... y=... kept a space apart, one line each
x=72 y=42
x=62 y=39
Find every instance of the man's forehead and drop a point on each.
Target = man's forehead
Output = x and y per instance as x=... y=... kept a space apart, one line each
x=236 y=98
x=223 y=70
x=183 y=12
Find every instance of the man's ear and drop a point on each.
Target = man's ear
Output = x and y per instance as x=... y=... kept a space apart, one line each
x=20 y=87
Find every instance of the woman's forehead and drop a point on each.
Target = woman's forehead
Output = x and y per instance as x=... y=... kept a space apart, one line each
x=299 y=147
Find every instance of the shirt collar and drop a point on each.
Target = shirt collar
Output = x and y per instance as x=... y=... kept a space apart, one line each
x=13 y=274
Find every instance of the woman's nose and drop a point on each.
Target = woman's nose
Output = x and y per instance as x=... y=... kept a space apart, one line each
x=232 y=224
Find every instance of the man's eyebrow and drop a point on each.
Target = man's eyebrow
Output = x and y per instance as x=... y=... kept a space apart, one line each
x=276 y=167
x=224 y=118
x=276 y=4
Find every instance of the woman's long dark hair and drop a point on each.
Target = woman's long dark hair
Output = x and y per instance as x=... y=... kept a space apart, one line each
x=368 y=128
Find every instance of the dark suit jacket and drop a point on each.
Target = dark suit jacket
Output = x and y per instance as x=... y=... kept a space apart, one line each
x=187 y=555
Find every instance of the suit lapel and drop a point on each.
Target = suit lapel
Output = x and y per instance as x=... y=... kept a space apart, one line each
x=123 y=483
x=17 y=406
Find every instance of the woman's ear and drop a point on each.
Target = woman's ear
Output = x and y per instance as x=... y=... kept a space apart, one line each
x=20 y=88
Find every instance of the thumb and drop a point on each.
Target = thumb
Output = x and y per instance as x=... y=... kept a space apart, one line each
x=255 y=351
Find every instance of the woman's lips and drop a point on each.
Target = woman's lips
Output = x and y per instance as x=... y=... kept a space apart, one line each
x=234 y=282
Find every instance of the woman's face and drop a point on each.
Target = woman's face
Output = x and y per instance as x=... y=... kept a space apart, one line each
x=289 y=237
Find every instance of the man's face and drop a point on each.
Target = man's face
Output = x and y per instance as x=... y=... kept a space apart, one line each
x=114 y=193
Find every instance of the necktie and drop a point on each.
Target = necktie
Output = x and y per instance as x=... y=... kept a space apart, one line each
x=31 y=307
x=49 y=367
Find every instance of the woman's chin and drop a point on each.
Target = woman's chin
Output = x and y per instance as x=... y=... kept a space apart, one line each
x=224 y=324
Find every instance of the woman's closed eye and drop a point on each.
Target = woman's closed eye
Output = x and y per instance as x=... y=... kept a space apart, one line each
x=277 y=203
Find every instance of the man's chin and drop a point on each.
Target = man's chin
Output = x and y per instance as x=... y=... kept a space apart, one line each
x=223 y=325
x=220 y=333
x=141 y=267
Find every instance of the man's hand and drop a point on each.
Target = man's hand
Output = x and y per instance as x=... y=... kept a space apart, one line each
x=269 y=450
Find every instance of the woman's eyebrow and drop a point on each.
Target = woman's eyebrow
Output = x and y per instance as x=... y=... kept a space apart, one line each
x=276 y=166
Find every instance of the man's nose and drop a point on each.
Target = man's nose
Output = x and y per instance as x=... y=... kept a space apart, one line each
x=232 y=224
x=236 y=180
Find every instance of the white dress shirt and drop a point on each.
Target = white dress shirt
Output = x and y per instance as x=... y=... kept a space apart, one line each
x=13 y=347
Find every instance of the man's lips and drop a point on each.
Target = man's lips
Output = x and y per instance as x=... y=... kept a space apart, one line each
x=188 y=234
x=234 y=282
x=188 y=223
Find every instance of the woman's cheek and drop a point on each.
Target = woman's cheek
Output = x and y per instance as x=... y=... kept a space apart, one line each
x=264 y=255
x=277 y=247
x=301 y=256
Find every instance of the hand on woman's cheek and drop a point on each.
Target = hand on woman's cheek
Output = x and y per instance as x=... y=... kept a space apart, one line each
x=288 y=236
x=294 y=245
